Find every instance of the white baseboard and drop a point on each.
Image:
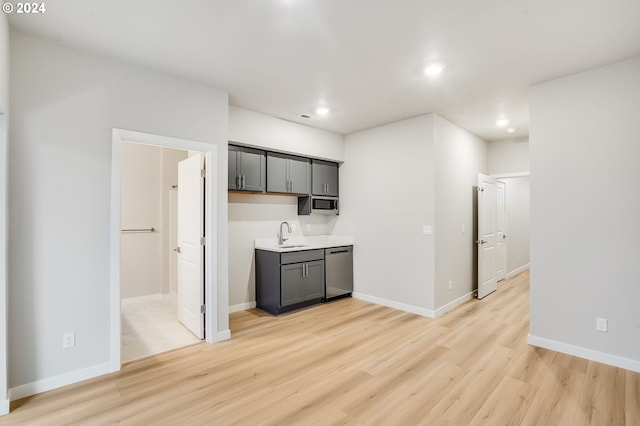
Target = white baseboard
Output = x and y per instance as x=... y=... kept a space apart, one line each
x=241 y=307
x=224 y=335
x=4 y=407
x=517 y=271
x=590 y=354
x=459 y=301
x=157 y=297
x=396 y=305
x=58 y=381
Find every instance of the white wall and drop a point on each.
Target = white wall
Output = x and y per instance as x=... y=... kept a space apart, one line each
x=508 y=156
x=517 y=204
x=585 y=205
x=141 y=207
x=254 y=216
x=387 y=194
x=460 y=156
x=256 y=129
x=4 y=111
x=65 y=103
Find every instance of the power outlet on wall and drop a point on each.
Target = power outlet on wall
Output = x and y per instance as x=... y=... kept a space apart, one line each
x=68 y=340
x=293 y=227
x=450 y=284
x=602 y=325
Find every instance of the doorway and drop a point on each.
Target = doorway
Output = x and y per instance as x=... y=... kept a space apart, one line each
x=149 y=258
x=151 y=294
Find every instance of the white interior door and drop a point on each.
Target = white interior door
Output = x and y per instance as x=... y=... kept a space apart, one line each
x=173 y=241
x=501 y=236
x=190 y=249
x=487 y=282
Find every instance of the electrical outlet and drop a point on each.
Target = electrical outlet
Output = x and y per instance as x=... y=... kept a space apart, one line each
x=68 y=340
x=463 y=228
x=293 y=227
x=601 y=324
x=450 y=285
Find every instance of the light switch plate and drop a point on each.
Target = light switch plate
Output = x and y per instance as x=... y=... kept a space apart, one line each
x=426 y=230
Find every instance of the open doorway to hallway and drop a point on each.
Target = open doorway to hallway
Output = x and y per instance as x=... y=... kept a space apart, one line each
x=149 y=247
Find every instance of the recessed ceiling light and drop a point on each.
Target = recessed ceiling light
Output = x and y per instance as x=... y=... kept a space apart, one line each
x=511 y=130
x=433 y=70
x=502 y=122
x=322 y=110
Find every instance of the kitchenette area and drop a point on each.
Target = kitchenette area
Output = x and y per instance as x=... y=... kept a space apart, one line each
x=285 y=248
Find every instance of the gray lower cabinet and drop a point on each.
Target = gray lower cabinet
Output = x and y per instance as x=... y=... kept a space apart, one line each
x=288 y=281
x=324 y=178
x=288 y=174
x=247 y=169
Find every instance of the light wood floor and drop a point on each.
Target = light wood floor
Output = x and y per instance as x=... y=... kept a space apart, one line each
x=351 y=362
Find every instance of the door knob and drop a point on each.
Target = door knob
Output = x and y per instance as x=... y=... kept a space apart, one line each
x=177 y=250
x=481 y=242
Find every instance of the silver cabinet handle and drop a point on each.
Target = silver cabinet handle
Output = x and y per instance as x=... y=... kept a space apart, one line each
x=244 y=181
x=481 y=242
x=241 y=181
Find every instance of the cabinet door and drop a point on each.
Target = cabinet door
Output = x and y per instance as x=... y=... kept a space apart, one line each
x=252 y=166
x=317 y=178
x=331 y=179
x=233 y=170
x=291 y=290
x=300 y=176
x=277 y=180
x=313 y=283
x=325 y=178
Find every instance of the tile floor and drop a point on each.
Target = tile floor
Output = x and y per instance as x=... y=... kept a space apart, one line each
x=150 y=326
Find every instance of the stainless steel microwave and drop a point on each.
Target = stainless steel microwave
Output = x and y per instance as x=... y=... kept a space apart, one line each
x=318 y=205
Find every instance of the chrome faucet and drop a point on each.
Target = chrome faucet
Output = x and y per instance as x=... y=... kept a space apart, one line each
x=281 y=238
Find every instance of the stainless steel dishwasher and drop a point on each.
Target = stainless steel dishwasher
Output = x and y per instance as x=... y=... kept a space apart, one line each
x=338 y=271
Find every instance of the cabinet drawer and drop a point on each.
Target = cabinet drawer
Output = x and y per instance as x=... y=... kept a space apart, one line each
x=301 y=256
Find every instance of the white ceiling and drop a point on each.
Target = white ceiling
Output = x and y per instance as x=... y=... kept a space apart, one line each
x=362 y=58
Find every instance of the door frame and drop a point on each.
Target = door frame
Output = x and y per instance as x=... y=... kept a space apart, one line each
x=210 y=153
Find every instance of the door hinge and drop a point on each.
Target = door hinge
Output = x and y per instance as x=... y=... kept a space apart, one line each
x=203 y=172
x=203 y=309
x=203 y=241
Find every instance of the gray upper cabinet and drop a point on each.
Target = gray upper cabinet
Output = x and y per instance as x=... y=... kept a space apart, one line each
x=247 y=169
x=324 y=177
x=288 y=174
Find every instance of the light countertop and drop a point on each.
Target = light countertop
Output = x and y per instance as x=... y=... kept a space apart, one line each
x=303 y=243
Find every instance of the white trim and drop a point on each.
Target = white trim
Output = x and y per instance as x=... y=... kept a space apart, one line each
x=5 y=404
x=590 y=354
x=210 y=153
x=517 y=271
x=242 y=307
x=157 y=297
x=59 y=381
x=4 y=240
x=454 y=304
x=510 y=175
x=396 y=305
x=224 y=335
